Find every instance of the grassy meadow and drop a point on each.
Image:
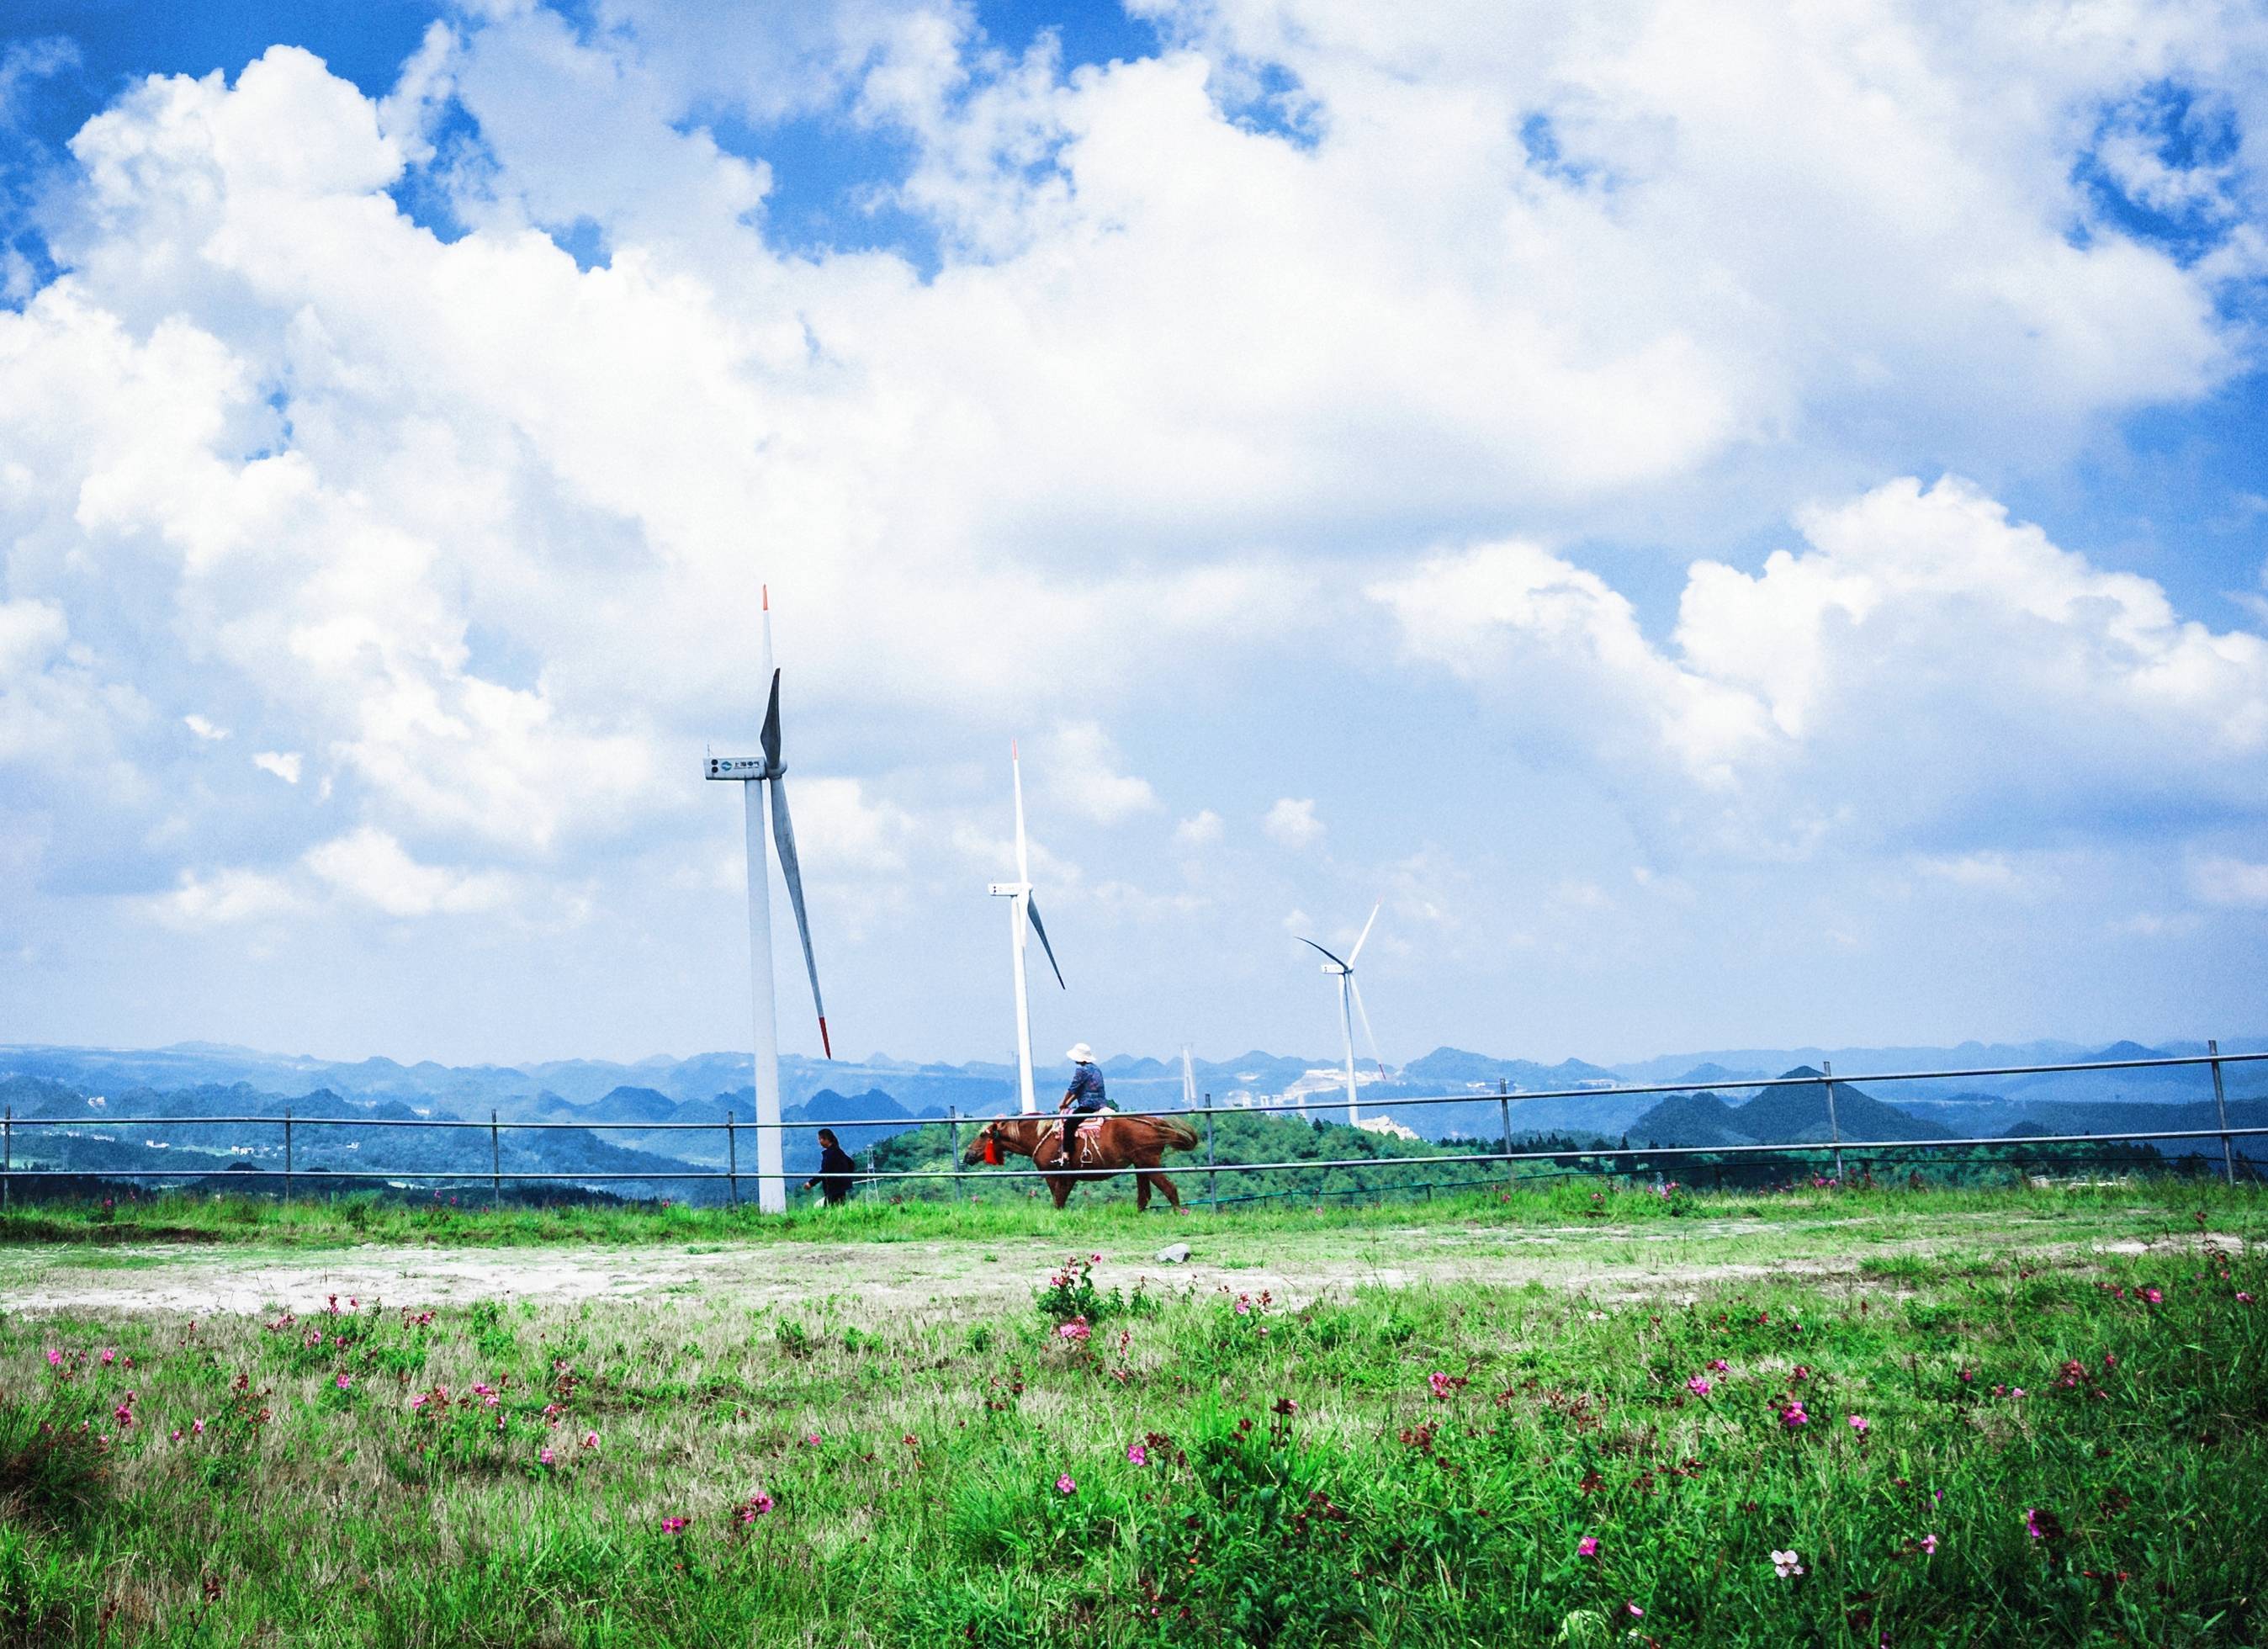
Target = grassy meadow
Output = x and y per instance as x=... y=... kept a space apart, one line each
x=2014 y=1417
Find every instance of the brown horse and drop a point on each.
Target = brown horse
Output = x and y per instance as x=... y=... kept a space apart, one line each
x=1124 y=1140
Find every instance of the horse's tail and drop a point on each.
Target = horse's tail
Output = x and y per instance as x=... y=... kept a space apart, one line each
x=1178 y=1134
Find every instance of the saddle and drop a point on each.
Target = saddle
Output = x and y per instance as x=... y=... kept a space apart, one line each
x=1087 y=1127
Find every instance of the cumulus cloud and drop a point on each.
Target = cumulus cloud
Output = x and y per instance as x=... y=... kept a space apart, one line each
x=2223 y=879
x=1292 y=822
x=1081 y=762
x=1170 y=356
x=225 y=899
x=1927 y=665
x=371 y=866
x=1201 y=828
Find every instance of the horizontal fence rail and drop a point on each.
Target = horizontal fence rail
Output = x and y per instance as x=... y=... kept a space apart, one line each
x=1730 y=1156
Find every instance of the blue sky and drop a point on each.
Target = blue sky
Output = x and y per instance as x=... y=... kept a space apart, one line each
x=1738 y=528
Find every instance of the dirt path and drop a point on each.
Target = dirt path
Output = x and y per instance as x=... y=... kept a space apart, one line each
x=1609 y=1262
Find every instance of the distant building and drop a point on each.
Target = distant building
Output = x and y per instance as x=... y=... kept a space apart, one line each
x=1385 y=1125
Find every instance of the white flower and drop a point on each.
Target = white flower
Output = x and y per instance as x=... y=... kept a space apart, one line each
x=1784 y=1566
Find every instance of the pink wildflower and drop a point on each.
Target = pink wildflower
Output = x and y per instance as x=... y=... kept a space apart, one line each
x=1718 y=1365
x=1635 y=1609
x=2242 y=1299
x=1929 y=1545
x=754 y=1507
x=590 y=1440
x=1794 y=1416
x=1587 y=1547
x=344 y=1382
x=55 y=1359
x=1859 y=1423
x=197 y=1428
x=176 y=1434
x=109 y=1356
x=1065 y=1485
x=1698 y=1386
x=675 y=1525
x=2155 y=1296
x=1137 y=1455
x=545 y=1457
x=1075 y=1331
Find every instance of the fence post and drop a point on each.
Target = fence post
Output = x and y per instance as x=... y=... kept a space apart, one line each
x=1212 y=1178
x=7 y=1154
x=732 y=1161
x=2221 y=1110
x=952 y=1145
x=1504 y=1115
x=495 y=1167
x=1834 y=1129
x=287 y=1154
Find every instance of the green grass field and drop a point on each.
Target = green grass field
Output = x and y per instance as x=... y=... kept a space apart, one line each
x=1563 y=1421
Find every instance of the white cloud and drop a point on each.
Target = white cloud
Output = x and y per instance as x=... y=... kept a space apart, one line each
x=2224 y=880
x=283 y=764
x=477 y=532
x=371 y=866
x=1926 y=663
x=1081 y=762
x=1292 y=822
x=225 y=899
x=842 y=832
x=1201 y=828
x=204 y=729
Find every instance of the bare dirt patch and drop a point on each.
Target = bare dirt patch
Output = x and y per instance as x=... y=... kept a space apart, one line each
x=1604 y=1261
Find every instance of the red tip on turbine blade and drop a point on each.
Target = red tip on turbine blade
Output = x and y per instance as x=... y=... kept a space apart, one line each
x=767 y=589
x=824 y=1043
x=1012 y=756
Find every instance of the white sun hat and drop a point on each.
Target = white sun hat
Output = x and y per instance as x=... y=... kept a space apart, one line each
x=1080 y=1055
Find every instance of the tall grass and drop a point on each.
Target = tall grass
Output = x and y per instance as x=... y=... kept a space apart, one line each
x=1421 y=1466
x=1103 y=1211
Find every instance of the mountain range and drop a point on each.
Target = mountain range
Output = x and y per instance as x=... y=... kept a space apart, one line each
x=668 y=1114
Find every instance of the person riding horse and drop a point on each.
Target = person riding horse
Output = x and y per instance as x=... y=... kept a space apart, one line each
x=1084 y=1098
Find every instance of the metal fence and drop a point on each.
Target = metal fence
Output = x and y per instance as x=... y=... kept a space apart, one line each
x=1611 y=1161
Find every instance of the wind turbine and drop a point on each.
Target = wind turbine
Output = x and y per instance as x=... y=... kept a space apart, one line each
x=767 y=772
x=1020 y=909
x=1351 y=1005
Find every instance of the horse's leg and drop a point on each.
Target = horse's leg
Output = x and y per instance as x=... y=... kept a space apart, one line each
x=1172 y=1195
x=1059 y=1187
x=1141 y=1192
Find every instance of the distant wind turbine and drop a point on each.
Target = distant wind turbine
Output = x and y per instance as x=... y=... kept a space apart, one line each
x=768 y=772
x=1020 y=910
x=1351 y=1005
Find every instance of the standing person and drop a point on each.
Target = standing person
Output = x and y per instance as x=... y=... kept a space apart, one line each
x=835 y=1169
x=1084 y=1097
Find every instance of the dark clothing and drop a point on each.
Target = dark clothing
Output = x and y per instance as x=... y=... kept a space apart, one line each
x=835 y=1170
x=1085 y=1090
x=1085 y=1095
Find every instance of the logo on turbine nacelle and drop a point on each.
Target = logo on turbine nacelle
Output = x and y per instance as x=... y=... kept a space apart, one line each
x=738 y=767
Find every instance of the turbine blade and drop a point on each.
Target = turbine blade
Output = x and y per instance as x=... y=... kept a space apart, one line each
x=1312 y=946
x=1016 y=774
x=1368 y=1035
x=1032 y=910
x=772 y=727
x=1367 y=927
x=792 y=872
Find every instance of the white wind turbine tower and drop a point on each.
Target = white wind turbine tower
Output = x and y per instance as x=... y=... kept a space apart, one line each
x=1351 y=1005
x=766 y=772
x=1020 y=910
